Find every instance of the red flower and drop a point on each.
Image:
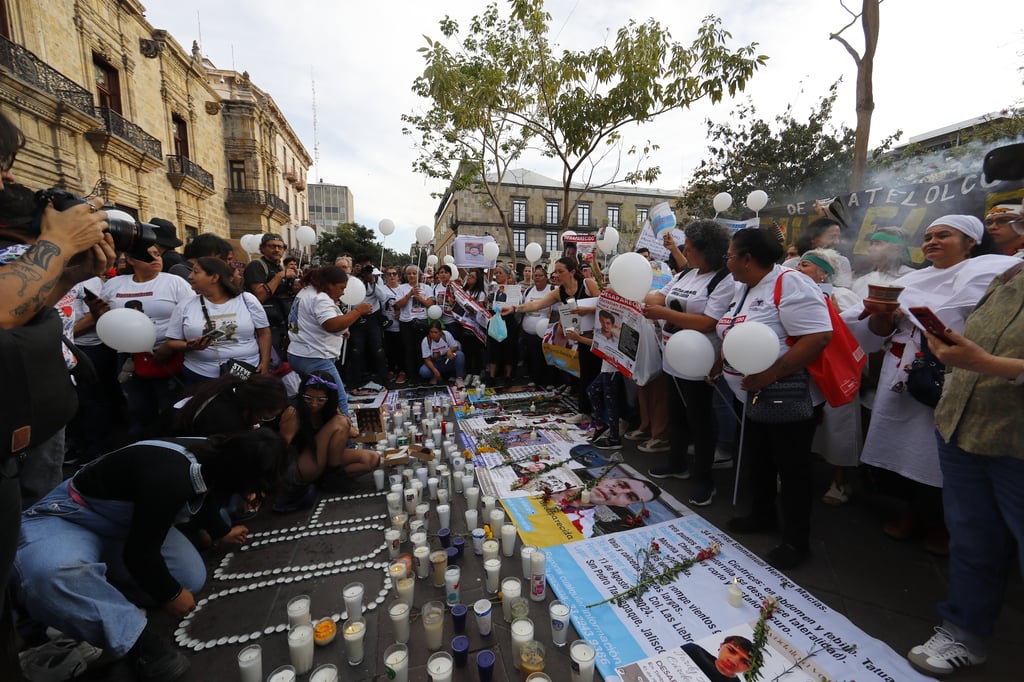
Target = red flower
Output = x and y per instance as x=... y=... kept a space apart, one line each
x=655 y=547
x=646 y=514
x=536 y=458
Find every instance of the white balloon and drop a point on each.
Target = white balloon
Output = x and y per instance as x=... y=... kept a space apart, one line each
x=722 y=201
x=355 y=292
x=690 y=353
x=423 y=235
x=568 y=233
x=630 y=275
x=434 y=312
x=127 y=330
x=533 y=252
x=305 y=235
x=449 y=259
x=611 y=238
x=751 y=347
x=491 y=251
x=386 y=226
x=542 y=326
x=432 y=260
x=757 y=200
x=455 y=270
x=250 y=243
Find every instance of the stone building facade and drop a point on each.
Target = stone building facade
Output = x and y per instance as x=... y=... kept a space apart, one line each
x=111 y=105
x=537 y=212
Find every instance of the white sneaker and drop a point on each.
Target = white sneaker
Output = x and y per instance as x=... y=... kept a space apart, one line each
x=654 y=445
x=942 y=654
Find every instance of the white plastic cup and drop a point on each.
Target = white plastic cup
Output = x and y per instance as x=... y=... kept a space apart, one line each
x=471 y=519
x=582 y=654
x=492 y=568
x=452 y=579
x=250 y=663
x=353 y=595
x=472 y=497
x=511 y=588
x=478 y=536
x=442 y=497
x=396 y=662
x=482 y=609
x=432 y=488
x=559 y=614
x=444 y=515
x=508 y=539
x=354 y=631
x=300 y=648
x=378 y=479
x=398 y=612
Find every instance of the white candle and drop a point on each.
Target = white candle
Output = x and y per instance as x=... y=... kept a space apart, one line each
x=522 y=632
x=482 y=611
x=478 y=535
x=432 y=487
x=250 y=663
x=397 y=571
x=497 y=518
x=524 y=555
x=423 y=511
x=378 y=479
x=285 y=673
x=492 y=567
x=585 y=496
x=471 y=519
x=421 y=557
x=396 y=662
x=438 y=562
x=442 y=498
x=300 y=648
x=511 y=589
x=298 y=611
x=440 y=666
x=488 y=502
x=735 y=594
x=419 y=539
x=490 y=549
x=406 y=587
x=325 y=673
x=354 y=631
x=508 y=539
x=432 y=616
x=394 y=503
x=421 y=474
x=353 y=595
x=559 y=614
x=452 y=578
x=538 y=580
x=582 y=655
x=400 y=522
x=399 y=614
x=472 y=497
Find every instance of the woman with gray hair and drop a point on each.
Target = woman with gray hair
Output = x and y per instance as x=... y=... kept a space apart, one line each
x=413 y=300
x=889 y=258
x=503 y=352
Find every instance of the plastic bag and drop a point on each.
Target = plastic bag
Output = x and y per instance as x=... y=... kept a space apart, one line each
x=648 y=364
x=496 y=328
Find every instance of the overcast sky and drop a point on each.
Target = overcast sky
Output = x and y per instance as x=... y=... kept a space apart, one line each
x=939 y=62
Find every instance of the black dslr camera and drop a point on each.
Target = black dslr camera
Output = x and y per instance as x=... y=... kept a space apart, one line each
x=130 y=236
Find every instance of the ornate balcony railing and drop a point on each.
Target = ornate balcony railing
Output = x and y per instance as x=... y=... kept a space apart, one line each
x=182 y=165
x=119 y=126
x=258 y=197
x=29 y=68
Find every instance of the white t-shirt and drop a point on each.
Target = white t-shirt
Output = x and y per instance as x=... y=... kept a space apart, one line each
x=801 y=311
x=308 y=338
x=444 y=298
x=88 y=337
x=159 y=296
x=529 y=319
x=435 y=350
x=392 y=295
x=691 y=290
x=238 y=318
x=413 y=309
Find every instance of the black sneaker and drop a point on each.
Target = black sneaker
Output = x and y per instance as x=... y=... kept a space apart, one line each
x=786 y=556
x=154 y=660
x=668 y=472
x=752 y=524
x=608 y=443
x=598 y=432
x=703 y=496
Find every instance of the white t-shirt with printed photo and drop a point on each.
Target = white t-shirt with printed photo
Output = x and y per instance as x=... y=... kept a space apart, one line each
x=436 y=350
x=159 y=296
x=691 y=290
x=238 y=319
x=801 y=311
x=310 y=340
x=413 y=309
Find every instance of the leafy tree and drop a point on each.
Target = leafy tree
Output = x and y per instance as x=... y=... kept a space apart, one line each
x=789 y=159
x=506 y=89
x=358 y=241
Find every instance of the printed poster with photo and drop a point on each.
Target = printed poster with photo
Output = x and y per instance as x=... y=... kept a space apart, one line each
x=656 y=244
x=468 y=251
x=470 y=314
x=584 y=243
x=617 y=331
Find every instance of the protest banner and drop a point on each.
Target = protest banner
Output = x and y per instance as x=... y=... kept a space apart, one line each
x=694 y=607
x=470 y=314
x=617 y=331
x=583 y=243
x=655 y=245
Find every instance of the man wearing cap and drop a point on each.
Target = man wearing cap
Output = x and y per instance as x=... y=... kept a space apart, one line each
x=1005 y=224
x=167 y=240
x=273 y=284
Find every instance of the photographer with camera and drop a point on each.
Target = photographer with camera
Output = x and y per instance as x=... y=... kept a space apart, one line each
x=275 y=284
x=44 y=253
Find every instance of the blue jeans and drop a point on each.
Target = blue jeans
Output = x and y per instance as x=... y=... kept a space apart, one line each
x=69 y=571
x=305 y=366
x=455 y=367
x=604 y=399
x=983 y=498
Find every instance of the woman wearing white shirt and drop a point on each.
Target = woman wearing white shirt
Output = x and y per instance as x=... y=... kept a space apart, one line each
x=539 y=371
x=441 y=356
x=695 y=299
x=222 y=323
x=776 y=451
x=316 y=323
x=413 y=301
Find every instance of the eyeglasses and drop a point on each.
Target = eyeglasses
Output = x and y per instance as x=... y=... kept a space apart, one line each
x=391 y=274
x=314 y=399
x=273 y=246
x=1002 y=220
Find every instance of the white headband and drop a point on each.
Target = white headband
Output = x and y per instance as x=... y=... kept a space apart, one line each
x=967 y=224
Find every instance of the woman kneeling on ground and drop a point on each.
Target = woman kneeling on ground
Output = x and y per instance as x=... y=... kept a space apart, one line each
x=319 y=434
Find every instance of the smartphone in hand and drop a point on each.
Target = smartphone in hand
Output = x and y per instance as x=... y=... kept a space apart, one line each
x=931 y=322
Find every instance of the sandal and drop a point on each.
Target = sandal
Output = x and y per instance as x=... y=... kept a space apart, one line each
x=837 y=494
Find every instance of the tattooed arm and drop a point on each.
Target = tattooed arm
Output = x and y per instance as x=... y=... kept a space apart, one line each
x=71 y=244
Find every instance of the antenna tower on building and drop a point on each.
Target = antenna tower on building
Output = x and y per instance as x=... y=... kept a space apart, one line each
x=316 y=134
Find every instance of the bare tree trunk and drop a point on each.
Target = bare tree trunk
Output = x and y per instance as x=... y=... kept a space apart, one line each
x=869 y=17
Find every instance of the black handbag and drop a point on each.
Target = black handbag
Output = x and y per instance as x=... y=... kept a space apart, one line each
x=926 y=377
x=784 y=401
